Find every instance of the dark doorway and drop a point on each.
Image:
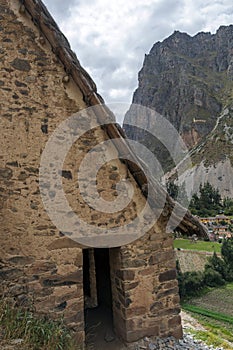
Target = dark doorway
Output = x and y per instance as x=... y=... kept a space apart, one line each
x=98 y=292
x=86 y=273
x=103 y=279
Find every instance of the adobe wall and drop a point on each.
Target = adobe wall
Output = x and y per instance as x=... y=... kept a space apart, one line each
x=38 y=263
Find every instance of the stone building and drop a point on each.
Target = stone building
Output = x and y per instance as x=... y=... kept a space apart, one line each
x=42 y=84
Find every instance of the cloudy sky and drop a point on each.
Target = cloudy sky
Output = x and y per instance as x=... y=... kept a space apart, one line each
x=111 y=37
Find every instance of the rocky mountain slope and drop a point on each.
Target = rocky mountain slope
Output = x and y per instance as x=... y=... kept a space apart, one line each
x=189 y=81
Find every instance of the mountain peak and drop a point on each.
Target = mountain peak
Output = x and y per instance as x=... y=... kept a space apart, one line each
x=189 y=81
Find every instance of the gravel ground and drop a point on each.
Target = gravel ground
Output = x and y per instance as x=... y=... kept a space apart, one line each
x=187 y=343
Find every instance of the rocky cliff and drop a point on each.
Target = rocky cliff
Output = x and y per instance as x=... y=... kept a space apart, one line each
x=189 y=81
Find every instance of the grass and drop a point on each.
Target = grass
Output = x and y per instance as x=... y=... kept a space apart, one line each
x=217 y=300
x=199 y=245
x=216 y=333
x=205 y=312
x=213 y=336
x=37 y=333
x=214 y=311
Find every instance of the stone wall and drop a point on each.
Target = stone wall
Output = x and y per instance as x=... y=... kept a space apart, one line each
x=39 y=264
x=192 y=260
x=34 y=100
x=145 y=296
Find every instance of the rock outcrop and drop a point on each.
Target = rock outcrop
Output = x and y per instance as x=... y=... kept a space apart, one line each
x=189 y=80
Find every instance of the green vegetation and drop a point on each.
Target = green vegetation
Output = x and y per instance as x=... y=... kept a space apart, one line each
x=205 y=312
x=227 y=253
x=199 y=245
x=178 y=193
x=217 y=328
x=228 y=206
x=214 y=311
x=214 y=336
x=207 y=203
x=217 y=272
x=37 y=333
x=216 y=299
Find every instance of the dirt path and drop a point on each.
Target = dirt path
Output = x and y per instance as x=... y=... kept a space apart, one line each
x=100 y=334
x=188 y=322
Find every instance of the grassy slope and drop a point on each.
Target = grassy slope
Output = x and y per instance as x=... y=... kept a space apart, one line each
x=200 y=245
x=218 y=300
x=216 y=333
x=206 y=312
x=214 y=311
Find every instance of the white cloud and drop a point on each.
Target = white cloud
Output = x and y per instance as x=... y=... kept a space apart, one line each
x=110 y=38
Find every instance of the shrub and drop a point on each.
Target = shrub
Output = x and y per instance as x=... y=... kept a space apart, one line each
x=217 y=264
x=227 y=254
x=227 y=251
x=190 y=283
x=217 y=272
x=213 y=278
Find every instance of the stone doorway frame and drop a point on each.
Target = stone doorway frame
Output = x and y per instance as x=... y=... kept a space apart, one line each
x=91 y=301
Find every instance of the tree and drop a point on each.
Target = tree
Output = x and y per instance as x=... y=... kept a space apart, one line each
x=227 y=251
x=228 y=206
x=178 y=193
x=217 y=264
x=209 y=197
x=208 y=202
x=213 y=278
x=227 y=254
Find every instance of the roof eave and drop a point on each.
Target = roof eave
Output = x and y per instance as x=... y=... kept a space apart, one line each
x=61 y=47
